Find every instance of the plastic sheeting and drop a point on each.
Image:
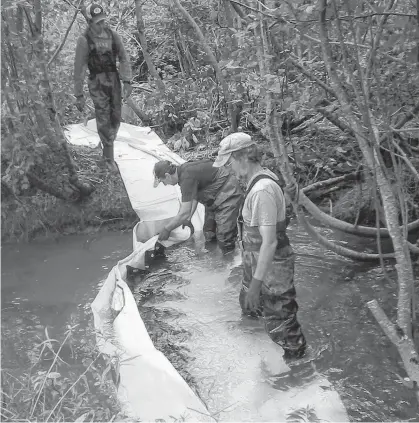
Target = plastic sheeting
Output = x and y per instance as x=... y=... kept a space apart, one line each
x=136 y=151
x=149 y=387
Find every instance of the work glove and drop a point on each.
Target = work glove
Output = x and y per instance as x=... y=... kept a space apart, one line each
x=126 y=90
x=80 y=103
x=252 y=300
x=188 y=223
x=164 y=235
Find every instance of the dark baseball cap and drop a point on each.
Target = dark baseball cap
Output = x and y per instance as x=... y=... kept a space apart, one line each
x=95 y=12
x=160 y=169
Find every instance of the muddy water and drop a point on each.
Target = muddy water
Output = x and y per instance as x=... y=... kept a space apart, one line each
x=52 y=283
x=352 y=352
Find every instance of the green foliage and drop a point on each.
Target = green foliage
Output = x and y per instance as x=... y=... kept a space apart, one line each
x=192 y=90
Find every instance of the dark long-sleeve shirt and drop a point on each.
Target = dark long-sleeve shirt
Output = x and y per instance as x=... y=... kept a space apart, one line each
x=103 y=43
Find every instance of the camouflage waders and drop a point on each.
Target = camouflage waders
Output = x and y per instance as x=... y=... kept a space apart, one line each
x=278 y=305
x=221 y=213
x=105 y=90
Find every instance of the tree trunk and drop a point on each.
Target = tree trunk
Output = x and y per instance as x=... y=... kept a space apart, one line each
x=214 y=63
x=367 y=136
x=143 y=42
x=370 y=152
x=33 y=110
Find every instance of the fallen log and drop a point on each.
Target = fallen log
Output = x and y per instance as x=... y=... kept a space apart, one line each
x=338 y=249
x=353 y=176
x=364 y=231
x=404 y=344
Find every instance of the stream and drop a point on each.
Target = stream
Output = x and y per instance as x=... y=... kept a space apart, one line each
x=193 y=297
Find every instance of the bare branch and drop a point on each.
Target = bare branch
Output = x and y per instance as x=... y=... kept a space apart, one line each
x=388 y=56
x=213 y=61
x=60 y=47
x=336 y=120
x=406 y=160
x=245 y=6
x=311 y=76
x=369 y=15
x=404 y=345
x=38 y=16
x=338 y=249
x=408 y=117
x=332 y=181
x=376 y=41
x=144 y=48
x=238 y=10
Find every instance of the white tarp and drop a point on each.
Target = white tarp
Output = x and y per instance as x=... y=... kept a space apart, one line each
x=149 y=386
x=136 y=151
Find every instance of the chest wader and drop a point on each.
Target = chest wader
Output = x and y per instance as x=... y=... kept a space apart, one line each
x=105 y=91
x=278 y=305
x=221 y=212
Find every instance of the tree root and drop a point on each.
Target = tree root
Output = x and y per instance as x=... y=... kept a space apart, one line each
x=343 y=251
x=364 y=231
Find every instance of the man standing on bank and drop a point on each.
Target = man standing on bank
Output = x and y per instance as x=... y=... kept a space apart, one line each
x=98 y=49
x=268 y=259
x=217 y=189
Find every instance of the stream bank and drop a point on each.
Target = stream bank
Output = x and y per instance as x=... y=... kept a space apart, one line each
x=315 y=155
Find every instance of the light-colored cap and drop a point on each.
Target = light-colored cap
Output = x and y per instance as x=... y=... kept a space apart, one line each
x=233 y=142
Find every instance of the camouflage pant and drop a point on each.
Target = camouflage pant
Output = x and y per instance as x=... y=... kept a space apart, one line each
x=278 y=305
x=221 y=217
x=105 y=91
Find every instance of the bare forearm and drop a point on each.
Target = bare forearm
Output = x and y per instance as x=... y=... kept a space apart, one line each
x=193 y=209
x=177 y=221
x=266 y=255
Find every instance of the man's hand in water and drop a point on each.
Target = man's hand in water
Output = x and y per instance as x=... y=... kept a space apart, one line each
x=164 y=235
x=126 y=90
x=252 y=300
x=80 y=103
x=188 y=223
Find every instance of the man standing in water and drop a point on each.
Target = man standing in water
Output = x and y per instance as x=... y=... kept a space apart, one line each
x=268 y=259
x=98 y=49
x=217 y=189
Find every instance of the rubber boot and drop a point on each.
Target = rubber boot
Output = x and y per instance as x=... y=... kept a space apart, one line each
x=108 y=153
x=109 y=158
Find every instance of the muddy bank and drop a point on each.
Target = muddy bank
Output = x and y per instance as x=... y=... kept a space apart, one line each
x=315 y=155
x=37 y=215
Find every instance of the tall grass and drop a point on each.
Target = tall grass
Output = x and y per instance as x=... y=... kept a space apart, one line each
x=52 y=390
